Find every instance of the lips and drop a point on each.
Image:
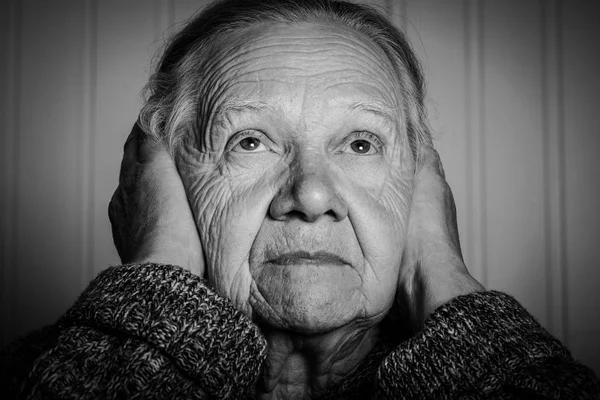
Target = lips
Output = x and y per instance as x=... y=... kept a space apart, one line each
x=304 y=257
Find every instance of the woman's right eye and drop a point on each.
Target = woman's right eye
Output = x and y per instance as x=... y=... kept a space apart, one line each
x=249 y=142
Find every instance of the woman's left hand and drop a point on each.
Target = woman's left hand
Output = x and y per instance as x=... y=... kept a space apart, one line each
x=432 y=271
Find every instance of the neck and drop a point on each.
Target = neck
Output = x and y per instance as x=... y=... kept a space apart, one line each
x=305 y=366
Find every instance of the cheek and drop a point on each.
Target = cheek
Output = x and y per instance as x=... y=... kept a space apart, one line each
x=379 y=217
x=228 y=213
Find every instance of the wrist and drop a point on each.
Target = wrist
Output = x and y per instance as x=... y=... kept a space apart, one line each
x=168 y=252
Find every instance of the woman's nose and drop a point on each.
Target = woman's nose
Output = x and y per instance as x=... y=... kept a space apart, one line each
x=309 y=194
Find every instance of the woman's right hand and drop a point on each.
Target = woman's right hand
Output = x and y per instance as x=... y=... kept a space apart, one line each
x=149 y=213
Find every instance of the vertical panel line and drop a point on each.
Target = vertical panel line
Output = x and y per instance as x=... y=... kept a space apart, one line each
x=469 y=134
x=87 y=149
x=482 y=141
x=475 y=124
x=554 y=170
x=546 y=126
x=562 y=206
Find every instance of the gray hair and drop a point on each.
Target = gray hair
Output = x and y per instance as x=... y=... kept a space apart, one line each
x=173 y=96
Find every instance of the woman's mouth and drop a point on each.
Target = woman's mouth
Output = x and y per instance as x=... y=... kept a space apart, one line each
x=305 y=257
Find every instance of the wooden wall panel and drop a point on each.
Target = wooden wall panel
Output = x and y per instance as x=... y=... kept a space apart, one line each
x=48 y=162
x=581 y=63
x=513 y=152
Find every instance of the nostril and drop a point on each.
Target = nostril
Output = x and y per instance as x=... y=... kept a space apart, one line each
x=313 y=217
x=333 y=215
x=294 y=214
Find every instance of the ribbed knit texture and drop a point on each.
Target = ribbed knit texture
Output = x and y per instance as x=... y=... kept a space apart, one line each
x=159 y=332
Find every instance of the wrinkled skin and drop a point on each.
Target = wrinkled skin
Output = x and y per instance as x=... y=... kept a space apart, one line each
x=301 y=150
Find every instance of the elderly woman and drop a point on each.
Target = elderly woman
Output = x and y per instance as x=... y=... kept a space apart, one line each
x=288 y=234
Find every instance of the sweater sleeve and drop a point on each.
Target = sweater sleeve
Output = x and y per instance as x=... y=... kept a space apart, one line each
x=484 y=345
x=148 y=332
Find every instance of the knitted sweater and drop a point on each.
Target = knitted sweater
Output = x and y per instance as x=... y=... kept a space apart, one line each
x=159 y=332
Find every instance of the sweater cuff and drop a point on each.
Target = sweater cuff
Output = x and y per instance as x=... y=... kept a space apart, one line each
x=178 y=313
x=474 y=343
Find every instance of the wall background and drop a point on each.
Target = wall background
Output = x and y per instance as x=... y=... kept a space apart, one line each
x=513 y=96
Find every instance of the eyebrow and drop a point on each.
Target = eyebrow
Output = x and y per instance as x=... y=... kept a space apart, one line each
x=377 y=108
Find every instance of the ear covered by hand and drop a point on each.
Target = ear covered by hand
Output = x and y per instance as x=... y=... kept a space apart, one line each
x=432 y=271
x=149 y=213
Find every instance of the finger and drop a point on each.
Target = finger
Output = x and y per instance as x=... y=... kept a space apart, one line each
x=431 y=161
x=435 y=189
x=151 y=150
x=133 y=141
x=141 y=146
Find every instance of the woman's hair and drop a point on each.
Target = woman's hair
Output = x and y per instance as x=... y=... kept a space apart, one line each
x=173 y=94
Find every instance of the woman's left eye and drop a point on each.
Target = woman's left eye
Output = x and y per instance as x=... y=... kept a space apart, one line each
x=365 y=144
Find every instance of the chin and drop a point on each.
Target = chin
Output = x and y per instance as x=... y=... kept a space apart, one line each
x=307 y=310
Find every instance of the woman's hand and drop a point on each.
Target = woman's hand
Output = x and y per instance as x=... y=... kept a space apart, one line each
x=149 y=212
x=433 y=271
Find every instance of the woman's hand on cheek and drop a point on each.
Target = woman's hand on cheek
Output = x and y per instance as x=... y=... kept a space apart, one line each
x=432 y=270
x=149 y=212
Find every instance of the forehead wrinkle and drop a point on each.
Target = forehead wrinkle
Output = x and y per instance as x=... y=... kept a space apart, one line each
x=240 y=66
x=235 y=62
x=247 y=37
x=246 y=71
x=248 y=46
x=236 y=74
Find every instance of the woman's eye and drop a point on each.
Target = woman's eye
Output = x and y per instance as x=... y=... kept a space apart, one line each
x=249 y=144
x=364 y=144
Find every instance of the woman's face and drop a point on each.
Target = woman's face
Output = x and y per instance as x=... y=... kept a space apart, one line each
x=300 y=178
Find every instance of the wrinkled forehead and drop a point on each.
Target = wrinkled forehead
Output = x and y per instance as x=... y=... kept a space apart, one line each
x=334 y=60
